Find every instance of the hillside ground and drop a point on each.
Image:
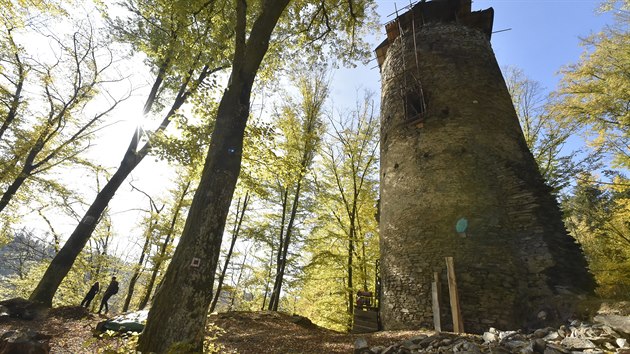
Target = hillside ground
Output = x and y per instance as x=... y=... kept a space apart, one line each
x=72 y=331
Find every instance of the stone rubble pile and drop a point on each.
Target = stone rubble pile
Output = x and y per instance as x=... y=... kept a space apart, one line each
x=609 y=334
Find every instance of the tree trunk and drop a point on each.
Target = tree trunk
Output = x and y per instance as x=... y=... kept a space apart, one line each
x=138 y=268
x=274 y=300
x=178 y=316
x=167 y=241
x=351 y=250
x=282 y=253
x=190 y=275
x=267 y=283
x=235 y=232
x=63 y=261
x=285 y=195
x=364 y=265
x=313 y=98
x=350 y=285
x=238 y=283
x=132 y=285
x=147 y=294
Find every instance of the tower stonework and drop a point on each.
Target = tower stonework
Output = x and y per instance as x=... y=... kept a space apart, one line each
x=452 y=150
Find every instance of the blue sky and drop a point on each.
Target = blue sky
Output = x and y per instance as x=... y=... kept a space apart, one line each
x=544 y=36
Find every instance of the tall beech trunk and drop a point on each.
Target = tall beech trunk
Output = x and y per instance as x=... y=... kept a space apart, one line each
x=63 y=261
x=240 y=213
x=136 y=274
x=137 y=269
x=363 y=260
x=350 y=275
x=178 y=316
x=313 y=99
x=277 y=285
x=305 y=161
x=164 y=248
x=351 y=249
x=283 y=220
x=359 y=153
x=267 y=283
x=285 y=196
x=180 y=305
x=238 y=282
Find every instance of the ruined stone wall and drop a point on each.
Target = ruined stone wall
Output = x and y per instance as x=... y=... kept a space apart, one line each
x=465 y=157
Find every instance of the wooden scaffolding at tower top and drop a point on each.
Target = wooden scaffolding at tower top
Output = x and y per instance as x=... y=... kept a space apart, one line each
x=419 y=15
x=414 y=103
x=427 y=12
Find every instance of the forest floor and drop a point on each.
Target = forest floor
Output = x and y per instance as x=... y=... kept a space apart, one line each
x=72 y=330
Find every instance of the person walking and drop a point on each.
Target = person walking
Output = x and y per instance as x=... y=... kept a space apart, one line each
x=90 y=295
x=112 y=289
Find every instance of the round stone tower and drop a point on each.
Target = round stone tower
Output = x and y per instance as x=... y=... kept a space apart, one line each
x=458 y=180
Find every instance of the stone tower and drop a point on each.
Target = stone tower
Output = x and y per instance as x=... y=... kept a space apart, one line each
x=453 y=154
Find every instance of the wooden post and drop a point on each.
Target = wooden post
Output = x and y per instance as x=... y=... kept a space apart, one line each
x=435 y=295
x=458 y=323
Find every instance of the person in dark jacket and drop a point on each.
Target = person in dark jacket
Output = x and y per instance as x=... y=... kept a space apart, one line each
x=90 y=295
x=111 y=290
